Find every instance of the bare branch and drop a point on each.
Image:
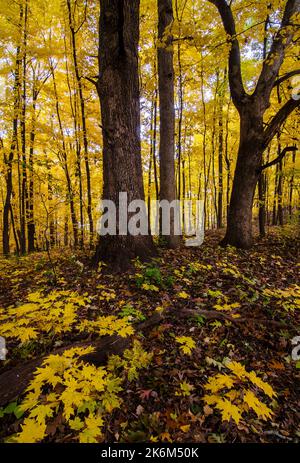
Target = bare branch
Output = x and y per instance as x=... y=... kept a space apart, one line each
x=286 y=76
x=279 y=158
x=278 y=120
x=93 y=81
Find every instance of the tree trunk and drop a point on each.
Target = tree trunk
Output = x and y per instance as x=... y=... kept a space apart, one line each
x=167 y=114
x=8 y=161
x=280 y=195
x=262 y=204
x=239 y=228
x=292 y=187
x=64 y=160
x=24 y=191
x=83 y=121
x=220 y=152
x=118 y=89
x=30 y=222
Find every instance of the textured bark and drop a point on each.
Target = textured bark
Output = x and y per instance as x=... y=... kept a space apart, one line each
x=220 y=154
x=262 y=205
x=24 y=190
x=239 y=226
x=118 y=88
x=8 y=160
x=167 y=113
x=30 y=222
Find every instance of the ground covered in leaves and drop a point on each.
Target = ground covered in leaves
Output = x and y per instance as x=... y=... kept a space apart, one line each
x=224 y=373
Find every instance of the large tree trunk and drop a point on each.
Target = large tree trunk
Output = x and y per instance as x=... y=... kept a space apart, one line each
x=167 y=114
x=239 y=227
x=262 y=204
x=253 y=138
x=118 y=88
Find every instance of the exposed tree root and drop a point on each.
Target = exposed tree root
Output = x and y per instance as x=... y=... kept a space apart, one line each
x=14 y=382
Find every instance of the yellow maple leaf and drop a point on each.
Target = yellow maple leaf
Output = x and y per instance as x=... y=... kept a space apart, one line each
x=183 y=295
x=229 y=410
x=76 y=424
x=185 y=428
x=187 y=344
x=219 y=382
x=32 y=431
x=268 y=390
x=41 y=412
x=27 y=334
x=211 y=399
x=261 y=410
x=237 y=368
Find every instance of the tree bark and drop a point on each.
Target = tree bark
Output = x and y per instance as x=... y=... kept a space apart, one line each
x=118 y=89
x=8 y=161
x=165 y=55
x=24 y=190
x=30 y=222
x=239 y=227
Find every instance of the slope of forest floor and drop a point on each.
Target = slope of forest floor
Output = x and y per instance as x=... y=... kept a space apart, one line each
x=253 y=298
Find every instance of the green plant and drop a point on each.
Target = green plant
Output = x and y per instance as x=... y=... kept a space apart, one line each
x=128 y=311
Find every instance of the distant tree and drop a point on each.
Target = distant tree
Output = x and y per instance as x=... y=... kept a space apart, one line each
x=167 y=112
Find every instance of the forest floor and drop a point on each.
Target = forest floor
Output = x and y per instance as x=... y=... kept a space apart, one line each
x=193 y=386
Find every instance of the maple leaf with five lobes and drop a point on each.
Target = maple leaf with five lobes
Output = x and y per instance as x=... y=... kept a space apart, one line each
x=187 y=344
x=125 y=331
x=186 y=389
x=238 y=369
x=32 y=431
x=76 y=424
x=261 y=410
x=26 y=334
x=89 y=372
x=229 y=410
x=41 y=412
x=46 y=374
x=30 y=401
x=219 y=382
x=268 y=390
x=92 y=432
x=211 y=399
x=111 y=401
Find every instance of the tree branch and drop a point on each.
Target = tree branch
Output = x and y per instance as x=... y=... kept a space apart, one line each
x=93 y=81
x=276 y=55
x=278 y=120
x=235 y=74
x=279 y=158
x=286 y=76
